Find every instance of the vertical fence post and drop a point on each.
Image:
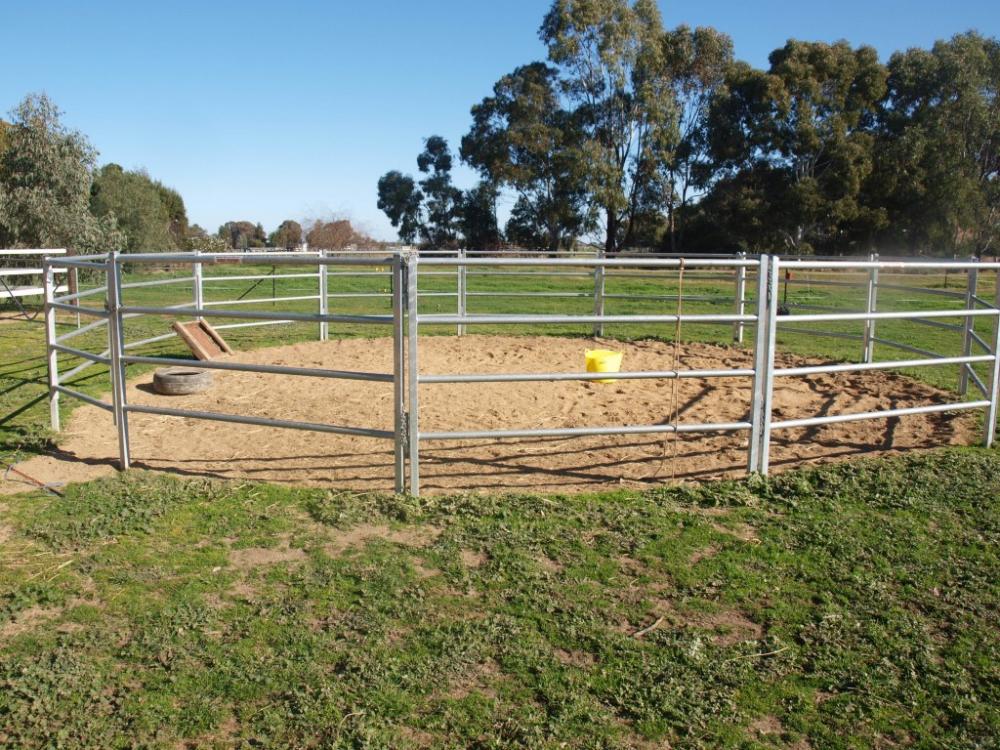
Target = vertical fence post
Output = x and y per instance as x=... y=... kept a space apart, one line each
x=969 y=324
x=759 y=364
x=413 y=354
x=398 y=376
x=73 y=276
x=772 y=336
x=871 y=305
x=324 y=284
x=199 y=288
x=599 y=281
x=462 y=278
x=117 y=350
x=741 y=292
x=989 y=428
x=49 y=280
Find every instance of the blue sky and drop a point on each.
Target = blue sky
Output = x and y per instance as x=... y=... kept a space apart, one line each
x=266 y=110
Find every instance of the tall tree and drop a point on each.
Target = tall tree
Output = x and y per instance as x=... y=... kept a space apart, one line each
x=442 y=200
x=802 y=136
x=288 y=235
x=333 y=235
x=400 y=199
x=173 y=204
x=45 y=180
x=522 y=138
x=241 y=235
x=696 y=62
x=479 y=217
x=135 y=201
x=610 y=59
x=939 y=148
x=434 y=210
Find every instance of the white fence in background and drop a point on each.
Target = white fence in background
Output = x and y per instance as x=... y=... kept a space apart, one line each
x=21 y=272
x=764 y=313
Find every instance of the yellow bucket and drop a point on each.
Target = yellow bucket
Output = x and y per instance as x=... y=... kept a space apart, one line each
x=603 y=360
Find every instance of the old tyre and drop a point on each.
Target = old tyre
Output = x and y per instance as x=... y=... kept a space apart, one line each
x=180 y=381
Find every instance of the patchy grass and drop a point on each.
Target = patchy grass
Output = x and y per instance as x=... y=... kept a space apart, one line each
x=844 y=607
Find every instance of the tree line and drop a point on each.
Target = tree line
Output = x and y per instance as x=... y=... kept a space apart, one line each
x=53 y=194
x=643 y=136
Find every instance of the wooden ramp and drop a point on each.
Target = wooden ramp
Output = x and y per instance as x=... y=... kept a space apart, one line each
x=203 y=340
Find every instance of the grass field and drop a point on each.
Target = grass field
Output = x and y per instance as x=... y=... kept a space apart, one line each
x=851 y=606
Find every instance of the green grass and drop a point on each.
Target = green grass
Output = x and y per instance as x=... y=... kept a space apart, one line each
x=851 y=606
x=846 y=607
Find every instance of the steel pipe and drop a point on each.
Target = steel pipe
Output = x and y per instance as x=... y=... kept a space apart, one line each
x=884 y=414
x=584 y=431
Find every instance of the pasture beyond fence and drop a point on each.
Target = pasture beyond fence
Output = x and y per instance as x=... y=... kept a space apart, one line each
x=756 y=314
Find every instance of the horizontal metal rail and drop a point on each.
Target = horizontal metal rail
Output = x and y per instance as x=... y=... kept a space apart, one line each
x=94 y=312
x=894 y=315
x=435 y=319
x=259 y=277
x=261 y=421
x=908 y=348
x=81 y=295
x=180 y=280
x=311 y=372
x=827 y=334
x=33 y=251
x=886 y=365
x=226 y=326
x=76 y=262
x=83 y=397
x=79 y=331
x=597 y=262
x=241 y=259
x=888 y=265
x=884 y=414
x=99 y=358
x=826 y=282
x=555 y=432
x=924 y=290
x=561 y=376
x=260 y=300
x=260 y=315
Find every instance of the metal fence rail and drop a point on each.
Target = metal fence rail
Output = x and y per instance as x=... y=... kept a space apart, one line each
x=762 y=312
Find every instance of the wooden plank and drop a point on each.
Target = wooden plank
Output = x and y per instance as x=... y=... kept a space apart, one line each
x=203 y=340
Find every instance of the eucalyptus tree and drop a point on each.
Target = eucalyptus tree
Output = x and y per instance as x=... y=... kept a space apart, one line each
x=442 y=200
x=432 y=211
x=522 y=138
x=797 y=142
x=46 y=172
x=611 y=67
x=939 y=155
x=696 y=61
x=401 y=200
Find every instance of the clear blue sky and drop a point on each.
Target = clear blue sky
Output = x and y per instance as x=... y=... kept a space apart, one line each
x=272 y=110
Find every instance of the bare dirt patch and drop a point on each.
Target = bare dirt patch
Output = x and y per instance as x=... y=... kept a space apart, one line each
x=26 y=620
x=358 y=536
x=479 y=678
x=472 y=558
x=727 y=626
x=201 y=448
x=254 y=557
x=703 y=554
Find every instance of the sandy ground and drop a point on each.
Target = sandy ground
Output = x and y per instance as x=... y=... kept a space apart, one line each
x=214 y=449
